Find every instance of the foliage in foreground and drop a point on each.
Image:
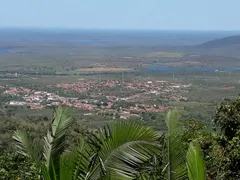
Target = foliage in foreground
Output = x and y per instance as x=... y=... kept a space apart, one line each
x=115 y=152
x=220 y=149
x=175 y=151
x=195 y=162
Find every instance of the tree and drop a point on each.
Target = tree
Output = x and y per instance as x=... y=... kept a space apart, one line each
x=227 y=117
x=15 y=166
x=223 y=146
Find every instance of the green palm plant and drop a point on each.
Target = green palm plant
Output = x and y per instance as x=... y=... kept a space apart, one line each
x=48 y=157
x=118 y=151
x=195 y=162
x=176 y=154
x=180 y=163
x=115 y=152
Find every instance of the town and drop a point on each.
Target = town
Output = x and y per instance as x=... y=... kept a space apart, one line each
x=104 y=96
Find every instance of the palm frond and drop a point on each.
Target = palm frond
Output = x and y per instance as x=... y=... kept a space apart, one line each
x=68 y=165
x=195 y=163
x=26 y=145
x=45 y=173
x=176 y=153
x=54 y=142
x=119 y=151
x=172 y=121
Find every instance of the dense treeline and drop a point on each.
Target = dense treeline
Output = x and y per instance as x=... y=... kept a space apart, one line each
x=142 y=152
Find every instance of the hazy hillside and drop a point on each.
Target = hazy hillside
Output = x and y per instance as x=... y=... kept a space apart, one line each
x=223 y=42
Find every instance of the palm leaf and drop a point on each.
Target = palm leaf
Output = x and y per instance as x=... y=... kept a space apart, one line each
x=172 y=121
x=54 y=142
x=45 y=173
x=175 y=150
x=52 y=165
x=118 y=152
x=26 y=145
x=195 y=163
x=68 y=165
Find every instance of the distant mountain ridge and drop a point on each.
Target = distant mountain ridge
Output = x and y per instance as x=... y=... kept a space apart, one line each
x=222 y=42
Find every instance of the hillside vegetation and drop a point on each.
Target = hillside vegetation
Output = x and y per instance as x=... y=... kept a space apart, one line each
x=129 y=150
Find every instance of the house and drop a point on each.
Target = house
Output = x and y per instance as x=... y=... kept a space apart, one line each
x=17 y=103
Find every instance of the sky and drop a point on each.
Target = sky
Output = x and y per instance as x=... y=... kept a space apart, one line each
x=122 y=14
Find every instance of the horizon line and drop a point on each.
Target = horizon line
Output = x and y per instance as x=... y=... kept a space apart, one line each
x=111 y=29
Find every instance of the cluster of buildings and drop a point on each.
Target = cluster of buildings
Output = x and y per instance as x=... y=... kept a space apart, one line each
x=136 y=90
x=40 y=99
x=101 y=97
x=87 y=86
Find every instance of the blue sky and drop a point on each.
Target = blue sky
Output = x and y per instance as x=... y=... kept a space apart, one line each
x=122 y=14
